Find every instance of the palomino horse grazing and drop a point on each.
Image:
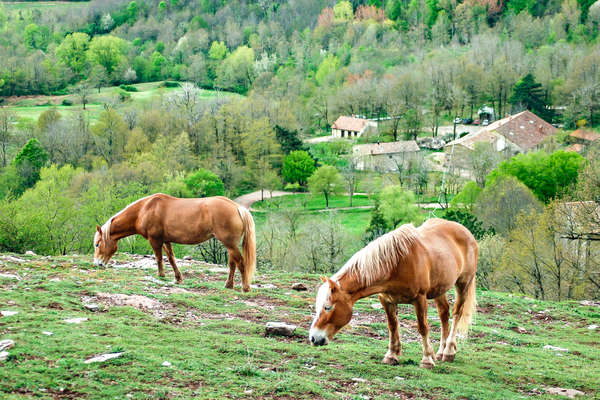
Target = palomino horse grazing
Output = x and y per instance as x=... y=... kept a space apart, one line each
x=163 y=220
x=407 y=265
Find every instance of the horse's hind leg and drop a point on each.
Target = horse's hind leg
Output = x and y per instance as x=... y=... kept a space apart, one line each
x=157 y=246
x=421 y=311
x=395 y=346
x=236 y=257
x=229 y=283
x=443 y=309
x=171 y=257
x=458 y=313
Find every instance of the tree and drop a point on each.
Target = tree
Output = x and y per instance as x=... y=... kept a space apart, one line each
x=73 y=52
x=398 y=206
x=528 y=95
x=218 y=51
x=82 y=90
x=297 y=167
x=109 y=133
x=97 y=77
x=482 y=160
x=343 y=11
x=329 y=65
x=326 y=180
x=288 y=139
x=29 y=161
x=377 y=225
x=107 y=51
x=548 y=176
x=467 y=197
x=204 y=183
x=502 y=201
x=236 y=72
x=47 y=119
x=464 y=217
x=6 y=132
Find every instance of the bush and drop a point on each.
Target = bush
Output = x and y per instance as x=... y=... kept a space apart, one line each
x=123 y=96
x=67 y=102
x=129 y=88
x=170 y=84
x=204 y=183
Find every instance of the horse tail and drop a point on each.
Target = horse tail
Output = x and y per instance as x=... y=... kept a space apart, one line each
x=248 y=244
x=468 y=309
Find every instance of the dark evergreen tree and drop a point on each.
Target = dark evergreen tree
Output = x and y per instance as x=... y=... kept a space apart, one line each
x=378 y=225
x=29 y=161
x=288 y=139
x=529 y=95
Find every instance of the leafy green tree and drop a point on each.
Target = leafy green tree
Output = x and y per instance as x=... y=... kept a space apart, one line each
x=73 y=52
x=132 y=11
x=527 y=94
x=548 y=176
x=107 y=51
x=297 y=167
x=398 y=205
x=329 y=65
x=378 y=224
x=204 y=183
x=47 y=119
x=326 y=180
x=218 y=50
x=37 y=37
x=110 y=135
x=29 y=161
x=236 y=72
x=467 y=196
x=343 y=11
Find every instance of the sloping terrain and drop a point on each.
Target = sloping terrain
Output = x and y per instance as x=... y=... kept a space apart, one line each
x=199 y=340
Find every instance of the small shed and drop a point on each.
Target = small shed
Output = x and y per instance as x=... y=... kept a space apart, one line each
x=583 y=136
x=351 y=127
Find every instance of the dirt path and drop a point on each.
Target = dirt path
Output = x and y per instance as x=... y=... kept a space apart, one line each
x=248 y=199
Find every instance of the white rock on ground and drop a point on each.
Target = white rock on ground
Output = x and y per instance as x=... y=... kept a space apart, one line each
x=6 y=344
x=30 y=253
x=9 y=276
x=555 y=348
x=593 y=327
x=8 y=313
x=280 y=329
x=103 y=357
x=166 y=364
x=75 y=320
x=263 y=286
x=376 y=306
x=4 y=355
x=47 y=333
x=93 y=307
x=570 y=393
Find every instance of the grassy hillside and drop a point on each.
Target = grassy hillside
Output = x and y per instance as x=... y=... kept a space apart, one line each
x=214 y=340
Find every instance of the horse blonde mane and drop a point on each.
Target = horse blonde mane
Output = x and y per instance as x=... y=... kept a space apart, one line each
x=377 y=259
x=106 y=227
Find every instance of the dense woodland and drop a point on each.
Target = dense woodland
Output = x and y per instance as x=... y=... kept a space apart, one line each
x=294 y=67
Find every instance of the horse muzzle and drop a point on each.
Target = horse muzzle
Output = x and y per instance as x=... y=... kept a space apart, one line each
x=318 y=337
x=98 y=262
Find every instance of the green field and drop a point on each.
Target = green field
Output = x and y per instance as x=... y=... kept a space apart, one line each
x=33 y=106
x=312 y=202
x=214 y=340
x=23 y=5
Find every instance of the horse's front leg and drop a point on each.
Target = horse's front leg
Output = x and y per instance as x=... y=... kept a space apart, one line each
x=443 y=309
x=421 y=311
x=395 y=346
x=157 y=247
x=171 y=257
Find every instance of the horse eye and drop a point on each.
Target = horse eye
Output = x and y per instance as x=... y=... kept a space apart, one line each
x=97 y=244
x=327 y=308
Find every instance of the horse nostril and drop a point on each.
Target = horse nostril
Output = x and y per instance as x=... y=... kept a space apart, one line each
x=312 y=339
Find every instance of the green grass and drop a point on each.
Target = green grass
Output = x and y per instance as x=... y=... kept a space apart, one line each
x=23 y=5
x=312 y=202
x=33 y=106
x=214 y=339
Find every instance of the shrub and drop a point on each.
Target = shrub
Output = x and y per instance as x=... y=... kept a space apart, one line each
x=129 y=88
x=67 y=102
x=204 y=183
x=170 y=84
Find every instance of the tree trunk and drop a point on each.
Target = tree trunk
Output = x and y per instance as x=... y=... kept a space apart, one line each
x=326 y=199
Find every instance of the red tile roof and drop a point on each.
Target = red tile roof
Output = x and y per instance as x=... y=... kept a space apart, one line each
x=524 y=129
x=585 y=134
x=349 y=124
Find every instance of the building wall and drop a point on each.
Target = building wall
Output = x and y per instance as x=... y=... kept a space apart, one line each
x=384 y=162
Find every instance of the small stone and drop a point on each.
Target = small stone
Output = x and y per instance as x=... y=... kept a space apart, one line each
x=75 y=320
x=398 y=378
x=55 y=280
x=592 y=327
x=376 y=306
x=47 y=333
x=519 y=329
x=93 y=307
x=7 y=313
x=6 y=344
x=249 y=391
x=263 y=286
x=166 y=364
x=589 y=303
x=299 y=287
x=280 y=328
x=4 y=355
x=10 y=276
x=103 y=357
x=30 y=253
x=187 y=258
x=359 y=380
x=570 y=393
x=555 y=348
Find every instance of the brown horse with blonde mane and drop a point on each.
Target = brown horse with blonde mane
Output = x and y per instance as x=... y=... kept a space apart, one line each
x=163 y=220
x=408 y=265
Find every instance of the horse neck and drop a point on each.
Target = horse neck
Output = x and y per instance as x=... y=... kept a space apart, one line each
x=358 y=290
x=123 y=224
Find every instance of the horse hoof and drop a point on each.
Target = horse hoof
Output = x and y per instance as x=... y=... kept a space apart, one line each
x=229 y=285
x=162 y=275
x=245 y=289
x=439 y=356
x=178 y=281
x=448 y=357
x=427 y=363
x=390 y=360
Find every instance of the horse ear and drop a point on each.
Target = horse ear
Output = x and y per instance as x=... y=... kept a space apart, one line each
x=99 y=229
x=332 y=285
